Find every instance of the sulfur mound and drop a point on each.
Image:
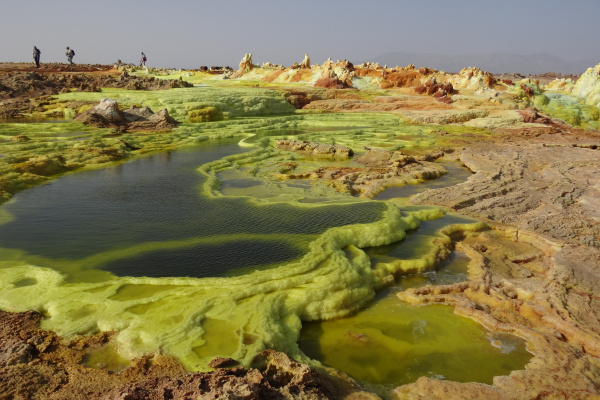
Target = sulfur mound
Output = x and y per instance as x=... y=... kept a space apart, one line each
x=587 y=87
x=43 y=165
x=329 y=79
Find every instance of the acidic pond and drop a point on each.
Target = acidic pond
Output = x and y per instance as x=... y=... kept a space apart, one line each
x=191 y=252
x=391 y=343
x=157 y=201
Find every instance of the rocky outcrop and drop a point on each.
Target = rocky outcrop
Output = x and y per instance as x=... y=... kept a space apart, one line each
x=383 y=169
x=528 y=90
x=435 y=89
x=305 y=64
x=37 y=364
x=424 y=80
x=329 y=79
x=470 y=78
x=108 y=115
x=400 y=79
x=531 y=116
x=315 y=149
x=375 y=157
x=102 y=115
x=246 y=64
x=587 y=87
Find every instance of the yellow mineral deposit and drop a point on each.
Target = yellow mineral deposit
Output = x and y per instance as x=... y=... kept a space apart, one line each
x=250 y=312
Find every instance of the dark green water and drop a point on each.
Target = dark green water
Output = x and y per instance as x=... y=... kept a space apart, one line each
x=157 y=199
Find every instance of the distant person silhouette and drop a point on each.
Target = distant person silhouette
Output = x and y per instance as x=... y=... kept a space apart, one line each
x=70 y=54
x=143 y=60
x=36 y=56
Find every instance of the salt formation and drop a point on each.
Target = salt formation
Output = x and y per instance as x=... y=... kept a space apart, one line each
x=560 y=85
x=470 y=78
x=246 y=64
x=587 y=87
x=305 y=63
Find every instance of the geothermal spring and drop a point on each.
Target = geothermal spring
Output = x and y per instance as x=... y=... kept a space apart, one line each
x=408 y=232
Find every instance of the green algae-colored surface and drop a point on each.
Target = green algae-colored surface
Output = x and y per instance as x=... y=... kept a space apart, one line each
x=265 y=305
x=257 y=310
x=325 y=271
x=232 y=102
x=578 y=109
x=391 y=343
x=571 y=110
x=183 y=316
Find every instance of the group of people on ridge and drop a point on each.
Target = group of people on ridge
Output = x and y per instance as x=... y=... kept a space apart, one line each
x=70 y=54
x=36 y=55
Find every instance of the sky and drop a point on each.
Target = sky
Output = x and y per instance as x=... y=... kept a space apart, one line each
x=194 y=33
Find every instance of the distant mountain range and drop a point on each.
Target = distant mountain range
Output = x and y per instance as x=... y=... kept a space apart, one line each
x=496 y=63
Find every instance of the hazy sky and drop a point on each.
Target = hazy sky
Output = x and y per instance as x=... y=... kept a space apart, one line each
x=192 y=33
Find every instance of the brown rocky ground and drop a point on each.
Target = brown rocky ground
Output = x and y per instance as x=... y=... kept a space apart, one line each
x=543 y=79
x=108 y=115
x=382 y=169
x=536 y=272
x=25 y=89
x=36 y=364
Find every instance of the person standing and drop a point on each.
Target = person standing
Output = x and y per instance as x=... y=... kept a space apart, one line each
x=143 y=60
x=36 y=56
x=70 y=53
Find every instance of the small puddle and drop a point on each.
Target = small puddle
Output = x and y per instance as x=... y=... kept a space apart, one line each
x=392 y=343
x=220 y=339
x=107 y=358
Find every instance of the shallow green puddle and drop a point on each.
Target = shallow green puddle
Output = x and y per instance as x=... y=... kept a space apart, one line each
x=392 y=343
